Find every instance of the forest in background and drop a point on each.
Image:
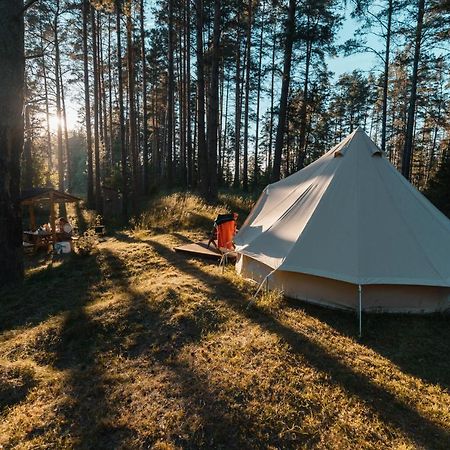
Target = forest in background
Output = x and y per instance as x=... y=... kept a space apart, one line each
x=204 y=94
x=124 y=98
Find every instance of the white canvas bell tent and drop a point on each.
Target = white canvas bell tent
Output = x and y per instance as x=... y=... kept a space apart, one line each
x=349 y=222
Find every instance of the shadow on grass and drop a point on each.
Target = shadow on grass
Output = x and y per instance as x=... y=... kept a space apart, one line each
x=86 y=343
x=87 y=414
x=389 y=408
x=15 y=383
x=168 y=337
x=49 y=292
x=418 y=344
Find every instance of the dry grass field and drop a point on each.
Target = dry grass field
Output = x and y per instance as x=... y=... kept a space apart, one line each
x=139 y=347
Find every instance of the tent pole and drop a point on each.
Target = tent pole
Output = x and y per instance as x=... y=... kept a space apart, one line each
x=360 y=309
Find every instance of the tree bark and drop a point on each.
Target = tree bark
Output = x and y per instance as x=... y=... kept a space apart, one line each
x=258 y=98
x=98 y=198
x=213 y=106
x=190 y=169
x=304 y=109
x=87 y=106
x=181 y=108
x=289 y=41
x=407 y=150
x=110 y=100
x=247 y=95
x=103 y=104
x=237 y=144
x=123 y=148
x=27 y=147
x=132 y=112
x=66 y=135
x=170 y=97
x=144 y=101
x=58 y=103
x=272 y=87
x=386 y=75
x=201 y=137
x=11 y=139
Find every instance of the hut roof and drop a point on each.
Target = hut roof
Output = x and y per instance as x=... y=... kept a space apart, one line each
x=37 y=195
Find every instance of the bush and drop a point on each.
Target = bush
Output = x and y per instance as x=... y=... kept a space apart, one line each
x=87 y=243
x=177 y=212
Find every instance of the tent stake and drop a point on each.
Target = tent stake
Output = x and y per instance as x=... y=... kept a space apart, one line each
x=360 y=309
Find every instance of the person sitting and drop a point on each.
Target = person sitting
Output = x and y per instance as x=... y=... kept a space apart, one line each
x=63 y=230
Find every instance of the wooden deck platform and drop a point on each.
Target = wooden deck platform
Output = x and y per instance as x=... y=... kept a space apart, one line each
x=201 y=250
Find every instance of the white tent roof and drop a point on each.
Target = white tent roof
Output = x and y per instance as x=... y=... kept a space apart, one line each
x=350 y=216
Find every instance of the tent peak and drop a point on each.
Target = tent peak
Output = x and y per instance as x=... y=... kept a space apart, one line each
x=353 y=141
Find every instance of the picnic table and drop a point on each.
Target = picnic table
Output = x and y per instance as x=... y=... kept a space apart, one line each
x=38 y=239
x=42 y=239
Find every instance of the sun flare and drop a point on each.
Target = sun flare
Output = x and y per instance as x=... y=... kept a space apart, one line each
x=55 y=121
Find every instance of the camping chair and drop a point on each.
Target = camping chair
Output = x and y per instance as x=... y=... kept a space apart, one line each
x=223 y=232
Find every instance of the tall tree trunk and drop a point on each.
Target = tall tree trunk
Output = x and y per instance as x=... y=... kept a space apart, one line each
x=272 y=113
x=201 y=138
x=184 y=95
x=190 y=168
x=237 y=148
x=132 y=112
x=110 y=100
x=47 y=122
x=181 y=108
x=258 y=98
x=123 y=148
x=247 y=95
x=220 y=125
x=289 y=41
x=144 y=101
x=58 y=103
x=28 y=144
x=66 y=134
x=87 y=106
x=304 y=109
x=103 y=104
x=100 y=92
x=170 y=97
x=98 y=198
x=386 y=75
x=28 y=151
x=11 y=139
x=225 y=127
x=407 y=150
x=213 y=106
x=431 y=159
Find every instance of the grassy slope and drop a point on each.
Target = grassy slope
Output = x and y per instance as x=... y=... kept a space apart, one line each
x=138 y=346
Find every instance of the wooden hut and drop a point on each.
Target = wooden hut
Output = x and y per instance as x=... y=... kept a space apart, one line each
x=35 y=196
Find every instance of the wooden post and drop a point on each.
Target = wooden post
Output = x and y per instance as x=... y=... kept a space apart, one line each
x=32 y=218
x=52 y=217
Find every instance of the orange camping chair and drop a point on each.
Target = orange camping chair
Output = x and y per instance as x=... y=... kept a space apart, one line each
x=224 y=230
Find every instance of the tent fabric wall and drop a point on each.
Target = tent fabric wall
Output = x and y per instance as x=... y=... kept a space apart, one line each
x=352 y=218
x=342 y=295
